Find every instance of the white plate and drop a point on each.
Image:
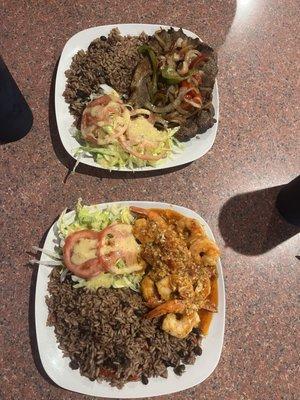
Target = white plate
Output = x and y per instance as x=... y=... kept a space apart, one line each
x=57 y=366
x=194 y=149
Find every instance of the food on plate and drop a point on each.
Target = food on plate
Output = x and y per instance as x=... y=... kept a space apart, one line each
x=175 y=80
x=161 y=89
x=119 y=136
x=182 y=264
x=132 y=291
x=107 y=338
x=111 y=60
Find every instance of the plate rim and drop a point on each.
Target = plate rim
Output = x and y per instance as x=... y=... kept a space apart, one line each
x=165 y=390
x=60 y=73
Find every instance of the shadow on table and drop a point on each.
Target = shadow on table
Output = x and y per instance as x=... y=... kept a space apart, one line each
x=69 y=161
x=31 y=319
x=250 y=224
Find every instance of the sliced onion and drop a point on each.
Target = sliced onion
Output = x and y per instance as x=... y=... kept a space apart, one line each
x=159 y=110
x=160 y=41
x=184 y=69
x=190 y=55
x=196 y=105
x=161 y=121
x=139 y=111
x=136 y=154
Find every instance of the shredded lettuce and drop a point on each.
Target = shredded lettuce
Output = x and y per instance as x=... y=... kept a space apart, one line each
x=114 y=156
x=90 y=217
x=107 y=280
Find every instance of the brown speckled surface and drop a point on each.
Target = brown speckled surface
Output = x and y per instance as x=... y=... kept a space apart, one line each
x=233 y=187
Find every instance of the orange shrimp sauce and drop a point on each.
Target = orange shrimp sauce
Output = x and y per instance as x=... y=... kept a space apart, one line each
x=206 y=316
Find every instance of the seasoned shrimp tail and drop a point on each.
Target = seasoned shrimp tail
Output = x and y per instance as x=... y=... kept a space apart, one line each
x=171 y=306
x=151 y=214
x=139 y=210
x=149 y=292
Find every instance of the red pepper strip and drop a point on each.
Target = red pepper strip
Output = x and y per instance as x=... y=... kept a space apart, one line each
x=89 y=268
x=193 y=94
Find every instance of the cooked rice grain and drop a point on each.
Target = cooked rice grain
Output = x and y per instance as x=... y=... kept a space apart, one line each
x=106 y=337
x=110 y=60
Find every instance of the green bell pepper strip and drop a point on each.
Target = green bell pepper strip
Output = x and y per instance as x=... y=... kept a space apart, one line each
x=145 y=49
x=172 y=77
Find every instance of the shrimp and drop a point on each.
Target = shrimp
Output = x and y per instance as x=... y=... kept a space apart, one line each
x=147 y=229
x=183 y=285
x=189 y=228
x=152 y=215
x=205 y=252
x=171 y=306
x=174 y=326
x=141 y=231
x=164 y=287
x=180 y=328
x=149 y=292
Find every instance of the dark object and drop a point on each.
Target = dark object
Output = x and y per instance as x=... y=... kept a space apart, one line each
x=74 y=364
x=139 y=313
x=181 y=353
x=196 y=331
x=238 y=220
x=288 y=202
x=169 y=364
x=145 y=380
x=179 y=370
x=15 y=115
x=198 y=350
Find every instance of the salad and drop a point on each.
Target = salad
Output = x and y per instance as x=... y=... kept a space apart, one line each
x=116 y=135
x=97 y=248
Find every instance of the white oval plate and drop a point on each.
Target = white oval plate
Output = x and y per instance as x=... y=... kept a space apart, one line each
x=194 y=148
x=57 y=366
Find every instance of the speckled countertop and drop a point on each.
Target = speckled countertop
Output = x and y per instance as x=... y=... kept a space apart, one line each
x=233 y=186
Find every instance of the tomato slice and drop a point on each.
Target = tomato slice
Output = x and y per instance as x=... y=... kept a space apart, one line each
x=87 y=269
x=113 y=246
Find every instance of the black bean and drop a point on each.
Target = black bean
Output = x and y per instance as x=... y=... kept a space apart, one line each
x=149 y=341
x=104 y=38
x=145 y=380
x=196 y=331
x=92 y=46
x=169 y=364
x=99 y=73
x=125 y=303
x=198 y=350
x=81 y=93
x=139 y=313
x=108 y=363
x=92 y=379
x=181 y=353
x=74 y=364
x=179 y=370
